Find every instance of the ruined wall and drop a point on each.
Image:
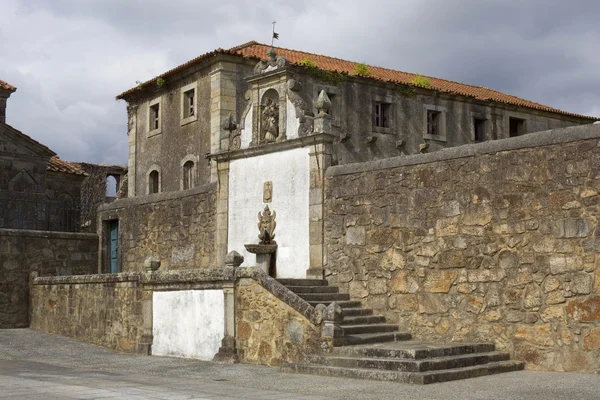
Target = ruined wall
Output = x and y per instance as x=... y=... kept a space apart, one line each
x=103 y=310
x=268 y=330
x=490 y=242
x=48 y=254
x=176 y=227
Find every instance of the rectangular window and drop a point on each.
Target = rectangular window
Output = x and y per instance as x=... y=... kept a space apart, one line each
x=479 y=129
x=154 y=116
x=381 y=115
x=188 y=103
x=516 y=126
x=433 y=122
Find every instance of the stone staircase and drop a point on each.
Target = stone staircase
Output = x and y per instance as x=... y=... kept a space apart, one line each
x=372 y=349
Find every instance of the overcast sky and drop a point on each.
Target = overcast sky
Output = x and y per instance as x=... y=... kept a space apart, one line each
x=70 y=58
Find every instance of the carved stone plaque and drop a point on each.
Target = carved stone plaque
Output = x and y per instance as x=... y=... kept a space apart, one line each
x=268 y=192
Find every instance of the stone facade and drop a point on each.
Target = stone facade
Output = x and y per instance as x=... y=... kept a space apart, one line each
x=104 y=310
x=489 y=242
x=47 y=253
x=176 y=228
x=269 y=331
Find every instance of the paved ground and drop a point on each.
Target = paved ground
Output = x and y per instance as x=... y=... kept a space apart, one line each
x=35 y=365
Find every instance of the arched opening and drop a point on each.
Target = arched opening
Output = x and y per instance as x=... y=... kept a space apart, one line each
x=269 y=116
x=188 y=175
x=111 y=187
x=153 y=182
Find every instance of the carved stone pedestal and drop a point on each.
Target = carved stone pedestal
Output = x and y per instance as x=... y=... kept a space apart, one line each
x=265 y=256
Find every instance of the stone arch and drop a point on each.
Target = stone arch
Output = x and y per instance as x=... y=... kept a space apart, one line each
x=189 y=172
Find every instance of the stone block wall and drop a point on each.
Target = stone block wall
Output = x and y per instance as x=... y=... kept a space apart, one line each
x=269 y=331
x=45 y=252
x=101 y=309
x=489 y=242
x=178 y=228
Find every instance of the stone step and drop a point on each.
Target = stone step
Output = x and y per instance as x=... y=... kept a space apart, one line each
x=409 y=365
x=314 y=289
x=348 y=312
x=369 y=328
x=407 y=377
x=370 y=338
x=413 y=350
x=303 y=282
x=322 y=297
x=342 y=304
x=361 y=320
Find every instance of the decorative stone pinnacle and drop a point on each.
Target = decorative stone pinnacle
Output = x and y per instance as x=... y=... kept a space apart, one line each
x=229 y=123
x=323 y=103
x=234 y=259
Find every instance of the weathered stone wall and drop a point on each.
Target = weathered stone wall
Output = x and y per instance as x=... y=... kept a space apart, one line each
x=104 y=310
x=490 y=242
x=48 y=254
x=178 y=228
x=269 y=331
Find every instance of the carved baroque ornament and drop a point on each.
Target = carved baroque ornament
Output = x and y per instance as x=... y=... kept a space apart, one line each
x=273 y=62
x=266 y=226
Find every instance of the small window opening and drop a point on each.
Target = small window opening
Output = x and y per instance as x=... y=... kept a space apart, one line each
x=188 y=104
x=154 y=114
x=382 y=115
x=188 y=175
x=517 y=126
x=111 y=187
x=433 y=122
x=153 y=182
x=479 y=129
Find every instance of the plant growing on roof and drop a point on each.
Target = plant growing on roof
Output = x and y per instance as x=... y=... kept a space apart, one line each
x=160 y=82
x=139 y=84
x=333 y=77
x=362 y=69
x=420 y=80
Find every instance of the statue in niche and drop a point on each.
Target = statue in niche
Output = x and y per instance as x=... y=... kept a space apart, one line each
x=270 y=121
x=266 y=226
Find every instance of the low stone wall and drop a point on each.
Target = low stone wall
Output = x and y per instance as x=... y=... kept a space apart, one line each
x=489 y=242
x=178 y=228
x=273 y=325
x=45 y=252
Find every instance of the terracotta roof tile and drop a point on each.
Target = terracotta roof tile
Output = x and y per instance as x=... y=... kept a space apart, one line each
x=255 y=50
x=57 y=165
x=6 y=86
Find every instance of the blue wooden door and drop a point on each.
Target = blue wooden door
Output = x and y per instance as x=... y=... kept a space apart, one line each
x=114 y=247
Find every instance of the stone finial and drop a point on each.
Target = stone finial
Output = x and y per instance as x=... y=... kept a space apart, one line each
x=151 y=264
x=273 y=62
x=333 y=313
x=323 y=103
x=234 y=259
x=266 y=226
x=229 y=123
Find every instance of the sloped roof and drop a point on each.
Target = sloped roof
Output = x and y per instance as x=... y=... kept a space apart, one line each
x=57 y=165
x=36 y=146
x=6 y=86
x=255 y=50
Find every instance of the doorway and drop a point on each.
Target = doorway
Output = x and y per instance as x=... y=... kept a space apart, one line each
x=113 y=246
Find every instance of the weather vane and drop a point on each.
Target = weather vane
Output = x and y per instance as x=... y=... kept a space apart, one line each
x=275 y=34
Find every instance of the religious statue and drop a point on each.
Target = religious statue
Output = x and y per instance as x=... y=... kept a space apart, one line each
x=266 y=226
x=273 y=62
x=270 y=121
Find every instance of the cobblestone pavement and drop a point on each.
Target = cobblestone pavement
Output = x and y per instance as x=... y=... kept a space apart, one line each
x=35 y=365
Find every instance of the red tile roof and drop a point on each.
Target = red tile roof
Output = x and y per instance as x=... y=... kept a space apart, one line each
x=6 y=86
x=255 y=50
x=57 y=165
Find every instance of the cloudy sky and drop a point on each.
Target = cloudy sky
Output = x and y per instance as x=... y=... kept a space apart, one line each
x=69 y=58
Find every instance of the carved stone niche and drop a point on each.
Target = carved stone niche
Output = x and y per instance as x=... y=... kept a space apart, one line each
x=269 y=129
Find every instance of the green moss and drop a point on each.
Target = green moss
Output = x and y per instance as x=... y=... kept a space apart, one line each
x=160 y=82
x=420 y=80
x=332 y=77
x=308 y=63
x=362 y=69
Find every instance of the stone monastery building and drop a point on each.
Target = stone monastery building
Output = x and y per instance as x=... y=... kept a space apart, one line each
x=390 y=207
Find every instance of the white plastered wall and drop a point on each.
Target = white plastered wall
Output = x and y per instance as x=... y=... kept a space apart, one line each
x=290 y=175
x=246 y=131
x=188 y=323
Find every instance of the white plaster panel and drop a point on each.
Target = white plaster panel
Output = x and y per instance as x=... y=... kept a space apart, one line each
x=292 y=123
x=289 y=172
x=246 y=133
x=188 y=323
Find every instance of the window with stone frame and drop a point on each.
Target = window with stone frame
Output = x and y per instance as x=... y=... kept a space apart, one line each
x=154 y=117
x=188 y=175
x=516 y=126
x=479 y=129
x=153 y=182
x=381 y=114
x=434 y=119
x=189 y=105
